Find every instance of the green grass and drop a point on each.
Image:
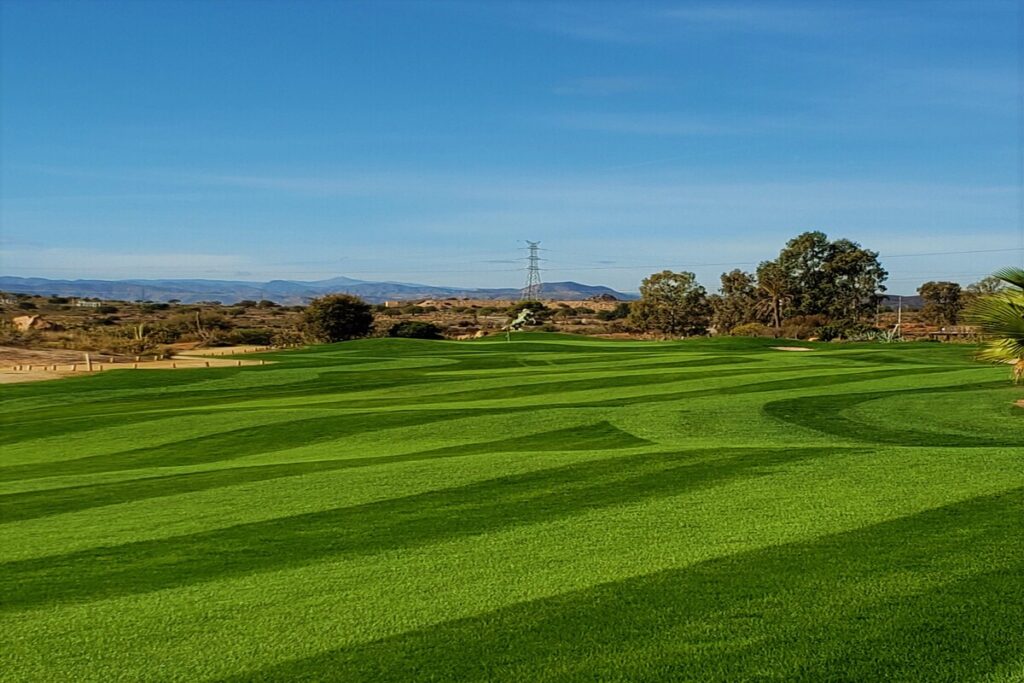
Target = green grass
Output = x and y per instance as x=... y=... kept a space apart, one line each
x=555 y=509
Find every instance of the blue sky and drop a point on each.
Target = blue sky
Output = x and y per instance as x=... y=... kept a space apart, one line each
x=423 y=141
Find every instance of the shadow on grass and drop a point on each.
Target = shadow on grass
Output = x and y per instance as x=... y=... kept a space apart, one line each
x=936 y=596
x=816 y=381
x=416 y=520
x=150 y=404
x=33 y=504
x=825 y=414
x=237 y=443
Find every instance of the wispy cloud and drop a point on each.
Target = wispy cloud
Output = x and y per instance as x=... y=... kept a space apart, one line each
x=650 y=124
x=88 y=262
x=625 y=23
x=767 y=17
x=605 y=86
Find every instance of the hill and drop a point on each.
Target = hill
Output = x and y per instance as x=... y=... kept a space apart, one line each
x=281 y=291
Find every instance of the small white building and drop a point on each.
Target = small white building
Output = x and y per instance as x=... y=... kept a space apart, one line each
x=88 y=304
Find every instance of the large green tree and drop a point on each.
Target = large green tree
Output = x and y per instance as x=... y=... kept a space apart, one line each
x=737 y=301
x=839 y=279
x=672 y=303
x=943 y=302
x=338 y=317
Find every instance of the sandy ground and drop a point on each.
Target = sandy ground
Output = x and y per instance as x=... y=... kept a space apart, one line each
x=791 y=348
x=33 y=365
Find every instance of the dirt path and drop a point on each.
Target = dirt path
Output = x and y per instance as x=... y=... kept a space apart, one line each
x=34 y=365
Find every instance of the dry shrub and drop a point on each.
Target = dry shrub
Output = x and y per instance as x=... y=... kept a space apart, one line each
x=752 y=330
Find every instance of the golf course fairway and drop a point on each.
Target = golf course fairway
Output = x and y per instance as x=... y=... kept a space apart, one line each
x=556 y=508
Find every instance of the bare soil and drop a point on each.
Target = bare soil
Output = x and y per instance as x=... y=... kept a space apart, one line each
x=33 y=365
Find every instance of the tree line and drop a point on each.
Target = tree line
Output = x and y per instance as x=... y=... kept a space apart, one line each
x=815 y=284
x=815 y=287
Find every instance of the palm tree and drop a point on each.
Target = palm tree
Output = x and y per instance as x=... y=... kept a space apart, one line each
x=1001 y=316
x=772 y=281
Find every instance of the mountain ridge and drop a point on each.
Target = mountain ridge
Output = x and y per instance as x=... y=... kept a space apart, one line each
x=282 y=291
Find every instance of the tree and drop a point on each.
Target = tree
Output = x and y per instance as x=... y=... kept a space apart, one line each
x=1001 y=315
x=803 y=261
x=854 y=277
x=840 y=279
x=942 y=301
x=774 y=285
x=338 y=317
x=986 y=285
x=737 y=301
x=672 y=303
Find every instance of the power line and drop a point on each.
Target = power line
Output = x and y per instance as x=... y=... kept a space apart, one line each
x=726 y=264
x=566 y=266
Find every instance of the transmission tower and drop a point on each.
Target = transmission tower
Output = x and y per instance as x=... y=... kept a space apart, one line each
x=531 y=292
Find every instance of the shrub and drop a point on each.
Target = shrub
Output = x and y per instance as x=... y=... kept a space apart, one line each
x=752 y=330
x=252 y=336
x=288 y=337
x=620 y=311
x=802 y=326
x=414 y=329
x=828 y=332
x=107 y=309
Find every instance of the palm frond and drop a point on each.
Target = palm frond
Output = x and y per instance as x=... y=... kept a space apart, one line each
x=1000 y=316
x=1013 y=276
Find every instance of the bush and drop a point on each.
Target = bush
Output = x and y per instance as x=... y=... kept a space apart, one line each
x=539 y=310
x=57 y=300
x=752 y=330
x=414 y=329
x=338 y=317
x=803 y=326
x=289 y=337
x=251 y=336
x=106 y=309
x=620 y=311
x=828 y=332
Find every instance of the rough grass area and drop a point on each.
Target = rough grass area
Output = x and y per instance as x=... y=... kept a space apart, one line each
x=554 y=509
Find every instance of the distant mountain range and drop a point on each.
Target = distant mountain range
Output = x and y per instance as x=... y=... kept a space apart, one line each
x=281 y=291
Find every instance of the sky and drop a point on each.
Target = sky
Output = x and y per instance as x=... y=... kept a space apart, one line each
x=425 y=141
